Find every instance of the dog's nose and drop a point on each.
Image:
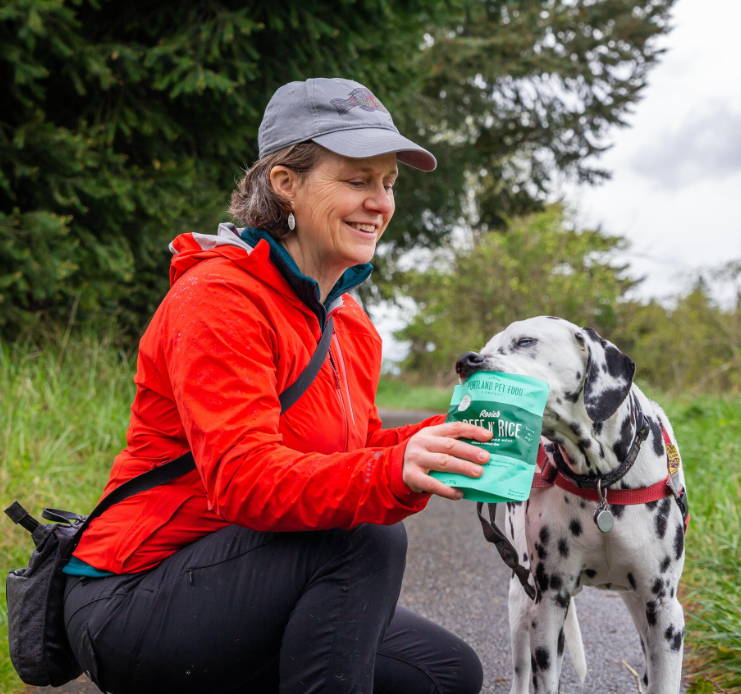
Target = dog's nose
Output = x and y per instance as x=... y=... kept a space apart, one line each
x=468 y=363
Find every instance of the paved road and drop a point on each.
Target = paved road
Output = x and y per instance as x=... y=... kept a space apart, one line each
x=455 y=577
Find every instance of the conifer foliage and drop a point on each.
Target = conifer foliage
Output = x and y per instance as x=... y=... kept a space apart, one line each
x=125 y=123
x=517 y=93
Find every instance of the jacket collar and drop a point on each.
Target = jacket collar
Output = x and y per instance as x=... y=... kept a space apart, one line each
x=306 y=288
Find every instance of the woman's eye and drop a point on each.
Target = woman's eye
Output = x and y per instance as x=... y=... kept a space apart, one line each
x=526 y=341
x=357 y=184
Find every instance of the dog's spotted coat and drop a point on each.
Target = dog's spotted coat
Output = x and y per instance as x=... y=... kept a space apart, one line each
x=589 y=414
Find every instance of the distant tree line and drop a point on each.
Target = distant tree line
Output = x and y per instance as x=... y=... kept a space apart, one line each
x=123 y=124
x=542 y=265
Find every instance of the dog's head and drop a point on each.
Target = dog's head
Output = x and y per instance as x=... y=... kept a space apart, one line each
x=582 y=369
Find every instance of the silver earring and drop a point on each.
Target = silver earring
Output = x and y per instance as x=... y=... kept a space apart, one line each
x=291 y=221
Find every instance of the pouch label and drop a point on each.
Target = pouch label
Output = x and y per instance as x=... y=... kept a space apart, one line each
x=511 y=407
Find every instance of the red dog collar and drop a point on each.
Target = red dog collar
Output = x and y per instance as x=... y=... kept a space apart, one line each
x=548 y=475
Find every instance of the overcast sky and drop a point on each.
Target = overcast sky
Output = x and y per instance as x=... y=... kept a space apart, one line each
x=676 y=186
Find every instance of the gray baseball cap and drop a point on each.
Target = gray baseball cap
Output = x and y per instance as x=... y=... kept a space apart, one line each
x=341 y=115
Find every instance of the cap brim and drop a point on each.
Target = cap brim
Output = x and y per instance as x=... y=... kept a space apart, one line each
x=370 y=142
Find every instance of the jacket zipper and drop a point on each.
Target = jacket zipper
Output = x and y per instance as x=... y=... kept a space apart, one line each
x=338 y=386
x=343 y=370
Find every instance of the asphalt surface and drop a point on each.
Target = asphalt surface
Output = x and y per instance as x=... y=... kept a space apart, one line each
x=454 y=577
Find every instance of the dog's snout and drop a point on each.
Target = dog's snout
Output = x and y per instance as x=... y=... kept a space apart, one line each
x=468 y=363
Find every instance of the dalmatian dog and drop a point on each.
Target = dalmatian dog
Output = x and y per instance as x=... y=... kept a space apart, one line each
x=596 y=419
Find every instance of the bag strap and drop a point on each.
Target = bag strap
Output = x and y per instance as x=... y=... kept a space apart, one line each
x=19 y=515
x=185 y=463
x=289 y=396
x=170 y=471
x=152 y=478
x=505 y=548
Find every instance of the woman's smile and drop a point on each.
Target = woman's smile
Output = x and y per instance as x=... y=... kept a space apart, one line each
x=364 y=228
x=342 y=208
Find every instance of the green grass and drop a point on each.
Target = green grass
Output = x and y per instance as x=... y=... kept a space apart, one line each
x=63 y=417
x=396 y=394
x=64 y=412
x=709 y=433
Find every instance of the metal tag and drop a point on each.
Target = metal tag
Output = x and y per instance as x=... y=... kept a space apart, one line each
x=604 y=519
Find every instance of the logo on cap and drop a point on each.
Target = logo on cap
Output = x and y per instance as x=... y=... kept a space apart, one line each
x=362 y=97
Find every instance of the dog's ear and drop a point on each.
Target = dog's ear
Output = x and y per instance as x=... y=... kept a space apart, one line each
x=609 y=377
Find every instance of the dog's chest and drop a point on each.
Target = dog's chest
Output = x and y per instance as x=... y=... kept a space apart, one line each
x=556 y=535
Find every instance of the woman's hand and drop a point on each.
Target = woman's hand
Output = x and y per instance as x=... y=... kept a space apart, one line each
x=438 y=448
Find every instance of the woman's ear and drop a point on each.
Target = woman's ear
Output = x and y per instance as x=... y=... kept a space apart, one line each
x=284 y=181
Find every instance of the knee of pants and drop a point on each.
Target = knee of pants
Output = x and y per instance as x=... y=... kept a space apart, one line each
x=460 y=673
x=380 y=546
x=471 y=677
x=370 y=550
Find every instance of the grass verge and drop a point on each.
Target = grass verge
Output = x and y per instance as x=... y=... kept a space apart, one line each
x=63 y=416
x=395 y=394
x=64 y=413
x=709 y=433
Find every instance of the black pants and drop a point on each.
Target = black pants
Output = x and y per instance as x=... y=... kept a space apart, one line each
x=252 y=612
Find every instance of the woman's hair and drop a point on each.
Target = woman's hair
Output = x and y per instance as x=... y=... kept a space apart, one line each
x=255 y=203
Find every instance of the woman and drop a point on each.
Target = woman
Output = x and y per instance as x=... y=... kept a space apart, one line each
x=275 y=565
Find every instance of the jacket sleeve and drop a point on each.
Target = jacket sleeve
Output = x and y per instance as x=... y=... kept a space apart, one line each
x=220 y=356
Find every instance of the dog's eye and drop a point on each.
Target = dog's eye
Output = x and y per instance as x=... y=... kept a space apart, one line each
x=526 y=341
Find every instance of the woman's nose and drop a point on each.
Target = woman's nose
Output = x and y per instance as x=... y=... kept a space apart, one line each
x=468 y=363
x=381 y=201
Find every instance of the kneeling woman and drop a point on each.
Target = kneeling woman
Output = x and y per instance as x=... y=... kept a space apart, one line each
x=275 y=565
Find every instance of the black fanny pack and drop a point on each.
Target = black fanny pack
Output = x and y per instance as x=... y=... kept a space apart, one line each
x=37 y=638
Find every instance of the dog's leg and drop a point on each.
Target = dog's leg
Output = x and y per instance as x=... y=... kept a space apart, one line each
x=547 y=638
x=574 y=642
x=659 y=620
x=663 y=613
x=636 y=607
x=665 y=641
x=519 y=616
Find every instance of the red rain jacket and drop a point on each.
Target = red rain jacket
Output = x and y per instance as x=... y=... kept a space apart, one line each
x=230 y=335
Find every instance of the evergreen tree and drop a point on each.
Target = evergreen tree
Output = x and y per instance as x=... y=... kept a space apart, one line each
x=125 y=123
x=518 y=92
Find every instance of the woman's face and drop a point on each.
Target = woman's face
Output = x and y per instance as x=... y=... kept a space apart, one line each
x=342 y=207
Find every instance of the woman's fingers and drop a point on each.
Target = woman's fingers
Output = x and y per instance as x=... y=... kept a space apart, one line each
x=453 y=448
x=459 y=430
x=420 y=481
x=438 y=448
x=437 y=451
x=448 y=462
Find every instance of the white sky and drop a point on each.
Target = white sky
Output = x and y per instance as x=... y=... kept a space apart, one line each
x=675 y=193
x=676 y=186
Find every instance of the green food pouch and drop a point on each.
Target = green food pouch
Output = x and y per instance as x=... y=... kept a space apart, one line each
x=511 y=407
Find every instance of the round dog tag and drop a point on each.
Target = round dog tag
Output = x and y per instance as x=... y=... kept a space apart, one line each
x=604 y=519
